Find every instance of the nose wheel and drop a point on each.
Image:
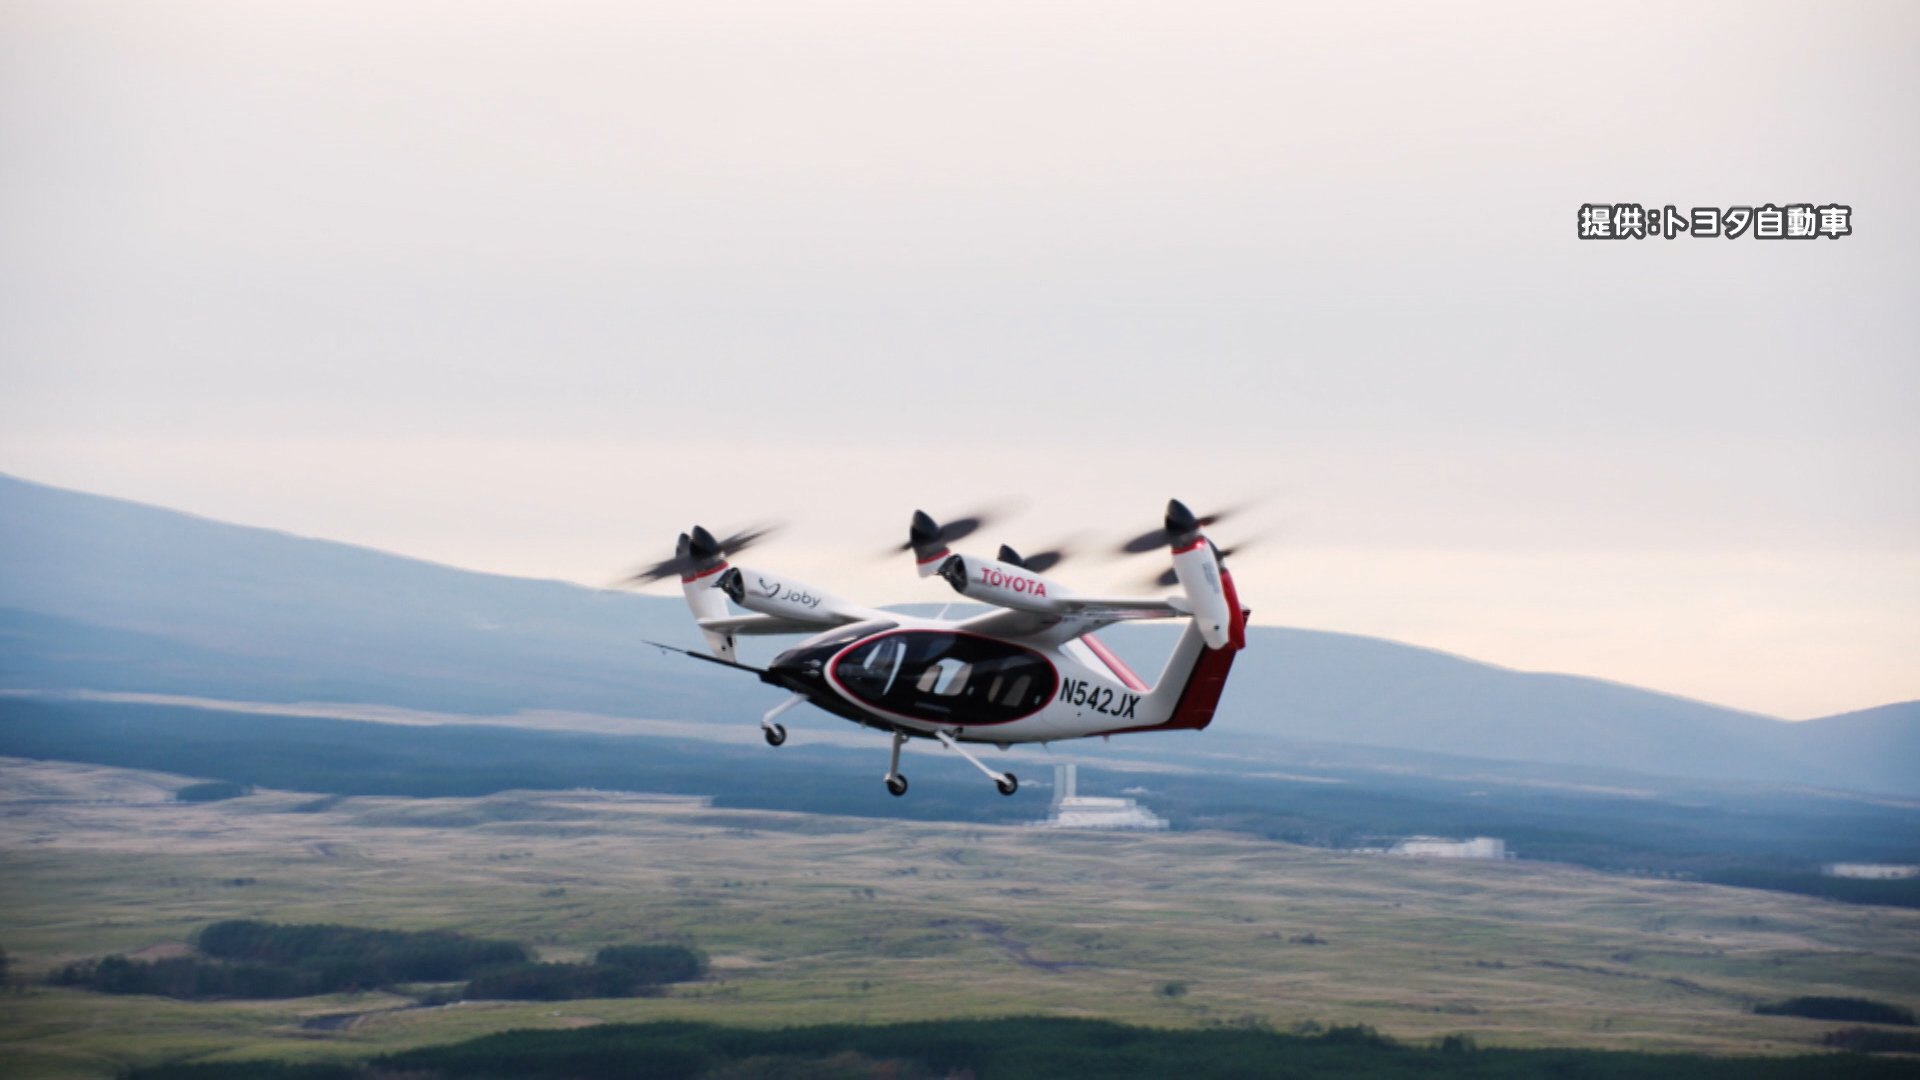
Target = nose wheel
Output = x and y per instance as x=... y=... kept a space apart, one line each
x=896 y=785
x=776 y=734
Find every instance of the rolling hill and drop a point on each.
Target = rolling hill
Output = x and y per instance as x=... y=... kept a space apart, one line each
x=103 y=594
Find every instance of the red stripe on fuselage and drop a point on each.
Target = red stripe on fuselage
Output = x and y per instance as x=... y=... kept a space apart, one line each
x=1198 y=699
x=1114 y=664
x=1201 y=696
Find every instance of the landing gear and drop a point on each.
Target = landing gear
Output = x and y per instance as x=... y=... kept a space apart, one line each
x=896 y=784
x=777 y=733
x=1006 y=782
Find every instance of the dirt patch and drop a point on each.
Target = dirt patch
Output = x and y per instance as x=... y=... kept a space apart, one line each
x=333 y=1021
x=1020 y=951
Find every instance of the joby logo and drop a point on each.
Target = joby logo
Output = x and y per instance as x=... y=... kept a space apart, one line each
x=1001 y=580
x=778 y=590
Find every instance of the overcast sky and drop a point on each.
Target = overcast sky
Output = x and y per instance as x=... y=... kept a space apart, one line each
x=531 y=287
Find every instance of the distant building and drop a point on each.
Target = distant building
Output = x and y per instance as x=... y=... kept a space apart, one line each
x=1435 y=847
x=1871 y=871
x=1071 y=810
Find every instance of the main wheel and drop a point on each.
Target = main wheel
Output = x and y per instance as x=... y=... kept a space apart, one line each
x=1008 y=784
x=896 y=785
x=776 y=734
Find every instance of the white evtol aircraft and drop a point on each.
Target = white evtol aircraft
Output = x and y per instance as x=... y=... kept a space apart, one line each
x=1031 y=671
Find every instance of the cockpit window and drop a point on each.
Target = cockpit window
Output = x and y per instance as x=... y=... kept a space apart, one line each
x=935 y=675
x=884 y=662
x=805 y=660
x=953 y=680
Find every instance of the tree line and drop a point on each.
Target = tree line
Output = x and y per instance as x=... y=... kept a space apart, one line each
x=1860 y=1010
x=1013 y=1049
x=244 y=958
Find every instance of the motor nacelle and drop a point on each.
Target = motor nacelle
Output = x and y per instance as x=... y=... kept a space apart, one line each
x=1197 y=567
x=771 y=594
x=701 y=564
x=1004 y=585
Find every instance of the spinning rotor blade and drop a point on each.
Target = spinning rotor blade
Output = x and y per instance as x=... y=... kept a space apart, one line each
x=673 y=567
x=925 y=530
x=1167 y=579
x=746 y=538
x=1158 y=538
x=695 y=548
x=926 y=538
x=1039 y=562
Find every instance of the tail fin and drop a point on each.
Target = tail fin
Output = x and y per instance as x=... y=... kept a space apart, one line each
x=1188 y=691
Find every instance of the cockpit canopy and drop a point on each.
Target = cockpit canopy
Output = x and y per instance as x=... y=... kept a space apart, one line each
x=940 y=676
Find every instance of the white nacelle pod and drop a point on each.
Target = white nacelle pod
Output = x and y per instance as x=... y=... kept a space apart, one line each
x=771 y=594
x=1002 y=584
x=708 y=602
x=702 y=562
x=1199 y=574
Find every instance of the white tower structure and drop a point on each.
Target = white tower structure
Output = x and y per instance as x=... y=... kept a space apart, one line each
x=1072 y=810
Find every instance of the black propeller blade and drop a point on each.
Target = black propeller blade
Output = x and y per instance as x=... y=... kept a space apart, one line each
x=1039 y=562
x=1159 y=538
x=696 y=548
x=926 y=532
x=1167 y=579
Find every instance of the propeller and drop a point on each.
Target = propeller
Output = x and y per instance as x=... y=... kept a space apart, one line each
x=926 y=532
x=1160 y=537
x=695 y=548
x=1039 y=562
x=1167 y=579
x=926 y=537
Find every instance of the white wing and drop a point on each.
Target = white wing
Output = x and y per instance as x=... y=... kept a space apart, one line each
x=761 y=625
x=1076 y=616
x=1117 y=608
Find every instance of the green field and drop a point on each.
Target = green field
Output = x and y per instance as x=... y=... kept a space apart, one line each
x=813 y=919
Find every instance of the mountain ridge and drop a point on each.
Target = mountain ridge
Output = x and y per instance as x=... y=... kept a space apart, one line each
x=251 y=612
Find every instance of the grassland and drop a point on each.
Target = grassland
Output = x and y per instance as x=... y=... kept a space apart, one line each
x=819 y=919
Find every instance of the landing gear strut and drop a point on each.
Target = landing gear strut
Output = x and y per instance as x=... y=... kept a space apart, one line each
x=1006 y=782
x=777 y=733
x=896 y=783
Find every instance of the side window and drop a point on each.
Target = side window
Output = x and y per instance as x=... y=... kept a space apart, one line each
x=954 y=681
x=1017 y=692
